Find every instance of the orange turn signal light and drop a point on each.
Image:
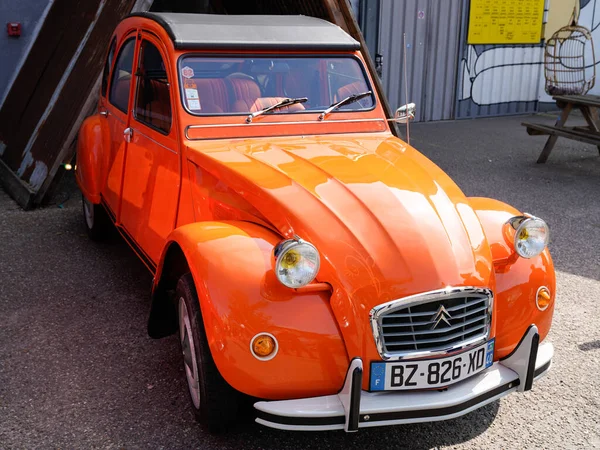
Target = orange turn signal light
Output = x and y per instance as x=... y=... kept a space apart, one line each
x=264 y=345
x=543 y=298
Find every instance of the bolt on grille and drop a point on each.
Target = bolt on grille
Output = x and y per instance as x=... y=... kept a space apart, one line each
x=434 y=322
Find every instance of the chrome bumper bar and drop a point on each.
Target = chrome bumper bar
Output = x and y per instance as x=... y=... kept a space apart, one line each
x=353 y=408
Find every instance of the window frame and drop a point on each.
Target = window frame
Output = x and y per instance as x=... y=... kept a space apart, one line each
x=133 y=38
x=145 y=37
x=267 y=55
x=108 y=64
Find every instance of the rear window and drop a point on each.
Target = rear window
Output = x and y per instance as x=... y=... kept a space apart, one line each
x=238 y=85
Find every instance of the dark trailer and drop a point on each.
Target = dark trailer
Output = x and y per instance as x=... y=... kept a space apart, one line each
x=57 y=85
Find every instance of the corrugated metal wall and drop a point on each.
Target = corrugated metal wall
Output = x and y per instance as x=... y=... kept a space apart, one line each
x=368 y=17
x=496 y=80
x=432 y=30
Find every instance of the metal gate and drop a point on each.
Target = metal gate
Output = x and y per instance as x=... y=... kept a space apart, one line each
x=432 y=30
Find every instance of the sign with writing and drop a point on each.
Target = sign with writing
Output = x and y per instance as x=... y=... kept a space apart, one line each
x=506 y=21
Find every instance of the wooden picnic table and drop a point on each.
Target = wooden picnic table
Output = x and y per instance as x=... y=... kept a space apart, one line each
x=588 y=105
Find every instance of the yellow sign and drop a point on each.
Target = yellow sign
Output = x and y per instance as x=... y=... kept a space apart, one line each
x=506 y=21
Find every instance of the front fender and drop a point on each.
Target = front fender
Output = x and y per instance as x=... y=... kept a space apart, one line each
x=517 y=279
x=91 y=164
x=239 y=297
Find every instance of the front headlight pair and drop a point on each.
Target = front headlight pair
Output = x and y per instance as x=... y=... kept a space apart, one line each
x=528 y=234
x=297 y=262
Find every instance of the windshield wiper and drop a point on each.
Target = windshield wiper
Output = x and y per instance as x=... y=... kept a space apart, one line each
x=350 y=99
x=283 y=103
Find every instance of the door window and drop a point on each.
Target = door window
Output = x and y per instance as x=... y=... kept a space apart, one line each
x=153 y=100
x=121 y=77
x=109 y=60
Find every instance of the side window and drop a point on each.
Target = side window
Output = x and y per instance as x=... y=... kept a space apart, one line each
x=121 y=77
x=153 y=100
x=110 y=58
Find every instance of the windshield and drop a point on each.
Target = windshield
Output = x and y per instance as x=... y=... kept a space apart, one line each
x=237 y=85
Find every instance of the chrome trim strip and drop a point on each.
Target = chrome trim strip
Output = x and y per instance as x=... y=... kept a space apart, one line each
x=441 y=351
x=444 y=339
x=150 y=139
x=428 y=313
x=435 y=330
x=259 y=124
x=378 y=312
x=109 y=114
x=412 y=324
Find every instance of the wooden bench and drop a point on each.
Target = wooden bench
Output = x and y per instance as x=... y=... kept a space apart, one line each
x=590 y=134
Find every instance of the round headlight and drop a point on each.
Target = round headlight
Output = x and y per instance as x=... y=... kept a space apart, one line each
x=531 y=236
x=296 y=262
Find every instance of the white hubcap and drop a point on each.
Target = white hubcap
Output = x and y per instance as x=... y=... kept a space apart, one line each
x=88 y=211
x=189 y=353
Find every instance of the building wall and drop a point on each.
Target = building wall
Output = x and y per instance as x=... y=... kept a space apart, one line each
x=495 y=80
x=432 y=29
x=13 y=50
x=480 y=80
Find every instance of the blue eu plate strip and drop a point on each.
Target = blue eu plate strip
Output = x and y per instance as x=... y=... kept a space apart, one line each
x=378 y=376
x=489 y=353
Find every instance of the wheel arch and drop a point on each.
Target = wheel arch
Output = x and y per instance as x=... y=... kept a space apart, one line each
x=240 y=297
x=517 y=279
x=92 y=159
x=162 y=320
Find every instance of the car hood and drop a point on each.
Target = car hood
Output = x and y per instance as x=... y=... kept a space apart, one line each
x=387 y=222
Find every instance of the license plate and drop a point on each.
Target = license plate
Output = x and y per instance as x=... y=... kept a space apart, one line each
x=431 y=373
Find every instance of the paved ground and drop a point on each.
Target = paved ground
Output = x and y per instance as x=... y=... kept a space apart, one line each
x=78 y=371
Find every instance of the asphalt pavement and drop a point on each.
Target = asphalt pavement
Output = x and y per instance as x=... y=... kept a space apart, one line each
x=77 y=369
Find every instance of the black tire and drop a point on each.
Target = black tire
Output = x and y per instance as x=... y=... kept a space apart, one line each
x=214 y=402
x=96 y=220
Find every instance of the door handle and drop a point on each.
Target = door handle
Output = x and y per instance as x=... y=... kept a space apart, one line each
x=104 y=113
x=128 y=134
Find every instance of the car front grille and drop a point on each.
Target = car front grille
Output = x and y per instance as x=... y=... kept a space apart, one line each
x=434 y=322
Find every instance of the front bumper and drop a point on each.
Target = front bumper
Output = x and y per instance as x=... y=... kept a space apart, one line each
x=353 y=408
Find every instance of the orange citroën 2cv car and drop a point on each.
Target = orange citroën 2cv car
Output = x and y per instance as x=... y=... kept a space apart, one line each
x=305 y=256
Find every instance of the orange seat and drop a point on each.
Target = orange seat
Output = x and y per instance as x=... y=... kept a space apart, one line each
x=350 y=89
x=159 y=111
x=245 y=91
x=212 y=93
x=265 y=102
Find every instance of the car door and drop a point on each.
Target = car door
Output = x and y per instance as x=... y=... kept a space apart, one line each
x=115 y=111
x=152 y=174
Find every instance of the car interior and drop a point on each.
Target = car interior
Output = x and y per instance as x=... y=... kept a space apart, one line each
x=244 y=86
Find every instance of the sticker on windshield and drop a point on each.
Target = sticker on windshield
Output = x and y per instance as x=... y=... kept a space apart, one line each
x=194 y=105
x=191 y=94
x=187 y=72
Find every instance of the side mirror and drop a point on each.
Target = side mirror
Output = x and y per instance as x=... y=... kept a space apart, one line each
x=405 y=113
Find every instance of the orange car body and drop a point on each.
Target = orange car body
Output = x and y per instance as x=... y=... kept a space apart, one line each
x=214 y=195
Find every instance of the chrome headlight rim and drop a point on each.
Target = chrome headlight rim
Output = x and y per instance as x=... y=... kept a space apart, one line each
x=517 y=224
x=282 y=249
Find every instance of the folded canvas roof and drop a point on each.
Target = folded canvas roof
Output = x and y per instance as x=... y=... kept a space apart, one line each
x=252 y=32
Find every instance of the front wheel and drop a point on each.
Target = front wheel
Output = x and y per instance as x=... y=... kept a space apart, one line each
x=214 y=402
x=97 y=222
